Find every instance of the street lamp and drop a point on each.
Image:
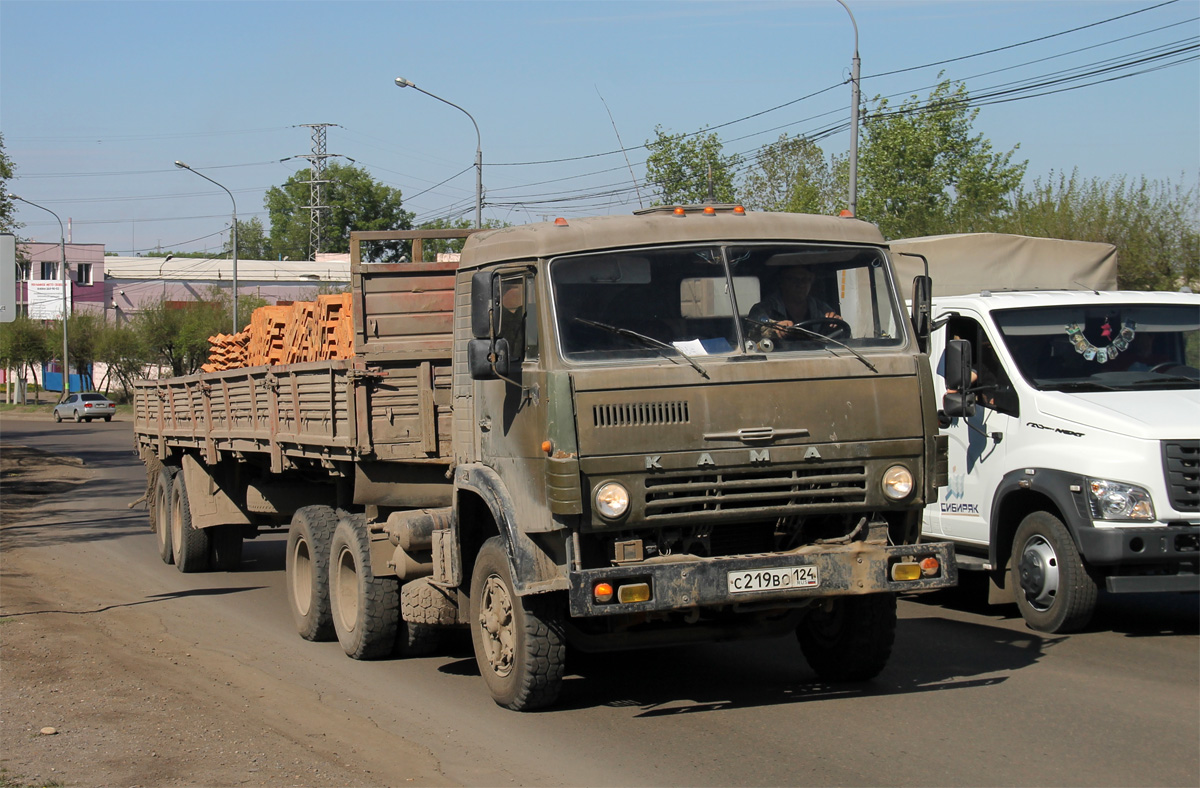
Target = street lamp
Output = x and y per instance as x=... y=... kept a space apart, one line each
x=854 y=98
x=401 y=82
x=233 y=238
x=62 y=246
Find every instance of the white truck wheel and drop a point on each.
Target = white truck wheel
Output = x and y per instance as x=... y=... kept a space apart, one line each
x=1055 y=592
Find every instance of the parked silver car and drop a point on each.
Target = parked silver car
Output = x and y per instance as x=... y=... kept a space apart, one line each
x=85 y=407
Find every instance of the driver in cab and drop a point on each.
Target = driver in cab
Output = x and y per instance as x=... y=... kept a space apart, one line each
x=791 y=303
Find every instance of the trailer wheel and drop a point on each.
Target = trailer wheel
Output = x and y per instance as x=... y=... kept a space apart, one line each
x=190 y=545
x=307 y=566
x=226 y=548
x=160 y=512
x=849 y=638
x=365 y=608
x=519 y=641
x=1054 y=591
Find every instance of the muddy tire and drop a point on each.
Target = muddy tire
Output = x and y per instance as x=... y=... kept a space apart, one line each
x=190 y=545
x=226 y=542
x=851 y=638
x=160 y=512
x=365 y=608
x=1055 y=592
x=519 y=642
x=307 y=566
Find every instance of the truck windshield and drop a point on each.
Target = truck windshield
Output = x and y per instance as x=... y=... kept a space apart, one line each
x=714 y=300
x=1104 y=347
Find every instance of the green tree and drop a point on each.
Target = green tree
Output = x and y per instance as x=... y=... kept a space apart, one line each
x=681 y=166
x=123 y=351
x=923 y=172
x=1155 y=226
x=176 y=335
x=792 y=174
x=356 y=200
x=253 y=242
x=83 y=328
x=8 y=211
x=25 y=344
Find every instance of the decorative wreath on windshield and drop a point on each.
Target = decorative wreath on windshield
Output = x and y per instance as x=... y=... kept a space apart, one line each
x=1117 y=344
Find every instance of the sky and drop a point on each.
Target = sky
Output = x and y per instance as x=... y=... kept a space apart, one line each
x=99 y=99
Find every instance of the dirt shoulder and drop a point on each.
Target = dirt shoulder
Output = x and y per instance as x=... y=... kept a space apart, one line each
x=103 y=695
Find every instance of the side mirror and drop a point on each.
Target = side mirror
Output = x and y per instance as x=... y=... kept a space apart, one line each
x=958 y=400
x=922 y=310
x=484 y=299
x=488 y=361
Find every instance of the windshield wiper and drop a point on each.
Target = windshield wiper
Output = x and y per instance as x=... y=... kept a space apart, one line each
x=657 y=344
x=1077 y=385
x=1163 y=379
x=816 y=334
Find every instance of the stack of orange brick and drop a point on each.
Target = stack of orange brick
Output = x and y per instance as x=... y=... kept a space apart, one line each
x=289 y=333
x=228 y=351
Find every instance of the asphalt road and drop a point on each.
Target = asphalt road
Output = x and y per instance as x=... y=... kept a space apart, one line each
x=971 y=696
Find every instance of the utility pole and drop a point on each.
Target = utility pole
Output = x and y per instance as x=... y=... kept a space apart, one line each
x=316 y=190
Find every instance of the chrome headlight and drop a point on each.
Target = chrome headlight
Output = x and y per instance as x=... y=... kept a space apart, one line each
x=897 y=483
x=612 y=500
x=1118 y=501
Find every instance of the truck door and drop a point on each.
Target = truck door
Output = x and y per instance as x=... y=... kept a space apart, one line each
x=514 y=409
x=976 y=443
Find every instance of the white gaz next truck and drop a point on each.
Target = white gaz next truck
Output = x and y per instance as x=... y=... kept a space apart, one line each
x=1074 y=434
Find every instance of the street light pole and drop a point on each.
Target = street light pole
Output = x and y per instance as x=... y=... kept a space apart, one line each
x=233 y=238
x=401 y=82
x=854 y=98
x=62 y=247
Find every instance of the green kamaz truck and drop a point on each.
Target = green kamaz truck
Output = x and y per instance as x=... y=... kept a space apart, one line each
x=687 y=424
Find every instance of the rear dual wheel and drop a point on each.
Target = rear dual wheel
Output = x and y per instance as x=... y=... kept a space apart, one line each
x=190 y=545
x=365 y=608
x=307 y=566
x=160 y=512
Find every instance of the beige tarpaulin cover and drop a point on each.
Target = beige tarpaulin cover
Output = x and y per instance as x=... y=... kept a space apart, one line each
x=971 y=262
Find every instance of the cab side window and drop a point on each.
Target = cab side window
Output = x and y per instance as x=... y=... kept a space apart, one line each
x=518 y=317
x=990 y=382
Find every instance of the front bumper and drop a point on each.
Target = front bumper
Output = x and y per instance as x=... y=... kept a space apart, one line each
x=690 y=582
x=1144 y=559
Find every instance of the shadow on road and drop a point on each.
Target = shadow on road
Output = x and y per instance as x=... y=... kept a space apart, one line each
x=156 y=598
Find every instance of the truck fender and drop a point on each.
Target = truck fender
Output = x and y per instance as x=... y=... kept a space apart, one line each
x=1027 y=490
x=210 y=503
x=534 y=570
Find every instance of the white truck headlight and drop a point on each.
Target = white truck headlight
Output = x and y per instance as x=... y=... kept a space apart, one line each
x=897 y=483
x=612 y=500
x=1118 y=501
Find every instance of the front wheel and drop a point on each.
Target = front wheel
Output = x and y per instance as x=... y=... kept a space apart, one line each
x=57 y=417
x=1054 y=591
x=849 y=638
x=365 y=608
x=519 y=642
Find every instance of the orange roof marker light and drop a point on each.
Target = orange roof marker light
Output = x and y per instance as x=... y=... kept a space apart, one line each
x=846 y=213
x=710 y=211
x=739 y=210
x=561 y=222
x=680 y=210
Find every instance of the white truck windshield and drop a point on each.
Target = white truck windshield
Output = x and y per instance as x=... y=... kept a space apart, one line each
x=1103 y=347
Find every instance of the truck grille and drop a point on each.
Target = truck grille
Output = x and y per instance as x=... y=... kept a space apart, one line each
x=776 y=493
x=1181 y=465
x=640 y=414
